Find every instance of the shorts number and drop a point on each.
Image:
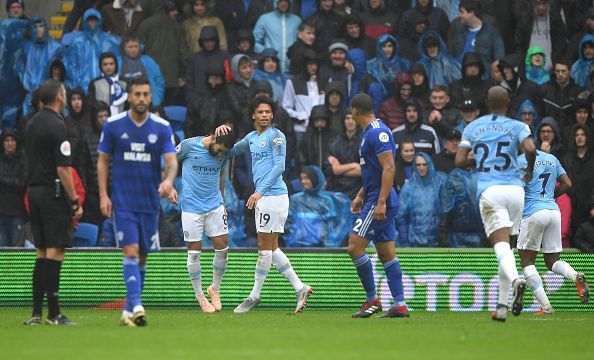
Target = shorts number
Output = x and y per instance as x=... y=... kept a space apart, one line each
x=225 y=219
x=358 y=224
x=545 y=179
x=264 y=219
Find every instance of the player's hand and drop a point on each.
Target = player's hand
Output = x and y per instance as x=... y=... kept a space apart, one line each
x=165 y=188
x=173 y=197
x=356 y=205
x=527 y=175
x=105 y=206
x=379 y=212
x=253 y=200
x=222 y=130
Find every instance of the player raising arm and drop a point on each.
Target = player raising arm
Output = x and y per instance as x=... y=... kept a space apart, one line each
x=494 y=140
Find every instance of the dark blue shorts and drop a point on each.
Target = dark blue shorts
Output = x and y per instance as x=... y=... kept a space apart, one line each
x=373 y=230
x=137 y=228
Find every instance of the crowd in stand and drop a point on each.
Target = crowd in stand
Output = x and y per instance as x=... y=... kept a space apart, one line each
x=427 y=64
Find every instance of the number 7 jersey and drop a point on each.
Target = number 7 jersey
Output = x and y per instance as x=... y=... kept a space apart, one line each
x=494 y=140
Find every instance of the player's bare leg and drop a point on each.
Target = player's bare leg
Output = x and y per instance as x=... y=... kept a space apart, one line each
x=528 y=259
x=219 y=265
x=508 y=276
x=560 y=267
x=195 y=272
x=356 y=249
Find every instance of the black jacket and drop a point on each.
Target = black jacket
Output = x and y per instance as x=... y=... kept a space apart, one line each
x=524 y=11
x=363 y=41
x=314 y=147
x=346 y=151
x=327 y=25
x=552 y=100
x=295 y=54
x=470 y=87
x=437 y=18
x=13 y=178
x=581 y=173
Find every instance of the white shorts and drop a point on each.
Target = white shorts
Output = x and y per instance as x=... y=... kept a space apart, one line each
x=213 y=223
x=501 y=207
x=541 y=229
x=271 y=213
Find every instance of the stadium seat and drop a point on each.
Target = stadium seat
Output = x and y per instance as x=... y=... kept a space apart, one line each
x=176 y=116
x=86 y=235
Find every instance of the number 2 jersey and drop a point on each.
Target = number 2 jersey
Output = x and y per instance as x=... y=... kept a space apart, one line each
x=540 y=191
x=377 y=139
x=494 y=140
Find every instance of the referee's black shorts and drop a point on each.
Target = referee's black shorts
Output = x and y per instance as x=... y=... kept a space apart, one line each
x=51 y=220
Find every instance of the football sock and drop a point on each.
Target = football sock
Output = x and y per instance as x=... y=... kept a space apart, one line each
x=38 y=286
x=564 y=269
x=283 y=265
x=535 y=282
x=262 y=269
x=394 y=276
x=142 y=271
x=52 y=286
x=132 y=280
x=195 y=272
x=365 y=272
x=504 y=288
x=507 y=270
x=219 y=265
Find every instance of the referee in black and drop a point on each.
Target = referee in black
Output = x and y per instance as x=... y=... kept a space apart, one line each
x=53 y=201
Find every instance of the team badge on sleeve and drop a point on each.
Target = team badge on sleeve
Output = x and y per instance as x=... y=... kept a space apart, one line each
x=383 y=137
x=65 y=148
x=278 y=141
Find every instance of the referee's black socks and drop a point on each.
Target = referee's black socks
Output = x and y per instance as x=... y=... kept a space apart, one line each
x=38 y=286
x=52 y=286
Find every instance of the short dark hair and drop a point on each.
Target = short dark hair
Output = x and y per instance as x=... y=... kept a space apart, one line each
x=562 y=61
x=363 y=103
x=440 y=88
x=472 y=6
x=244 y=60
x=262 y=99
x=305 y=25
x=129 y=38
x=228 y=139
x=49 y=90
x=137 y=82
x=108 y=55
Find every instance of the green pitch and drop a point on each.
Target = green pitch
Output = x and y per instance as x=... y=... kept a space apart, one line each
x=184 y=334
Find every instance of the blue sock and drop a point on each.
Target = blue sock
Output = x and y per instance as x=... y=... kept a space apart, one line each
x=142 y=270
x=394 y=276
x=132 y=280
x=365 y=272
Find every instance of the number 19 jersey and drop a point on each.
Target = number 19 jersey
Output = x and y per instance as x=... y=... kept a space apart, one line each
x=494 y=140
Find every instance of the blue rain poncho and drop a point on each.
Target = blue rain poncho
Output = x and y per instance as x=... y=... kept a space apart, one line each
x=420 y=212
x=361 y=81
x=84 y=50
x=444 y=69
x=318 y=217
x=384 y=70
x=11 y=47
x=458 y=200
x=580 y=71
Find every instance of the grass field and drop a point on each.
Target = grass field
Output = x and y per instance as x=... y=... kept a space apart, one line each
x=279 y=335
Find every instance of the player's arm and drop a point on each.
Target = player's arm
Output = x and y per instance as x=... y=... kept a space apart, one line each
x=530 y=153
x=170 y=174
x=102 y=169
x=386 y=160
x=564 y=185
x=240 y=147
x=358 y=201
x=462 y=160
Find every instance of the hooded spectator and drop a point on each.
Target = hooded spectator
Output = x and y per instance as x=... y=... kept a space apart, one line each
x=441 y=68
x=353 y=31
x=420 y=85
x=122 y=17
x=78 y=123
x=572 y=51
x=583 y=116
x=472 y=84
x=11 y=91
x=232 y=14
x=335 y=69
x=535 y=63
x=420 y=211
x=408 y=41
x=269 y=70
x=392 y=109
x=202 y=18
x=83 y=54
x=244 y=44
x=344 y=159
x=13 y=184
x=306 y=37
x=436 y=17
x=423 y=136
x=528 y=115
x=580 y=71
x=335 y=102
x=314 y=147
x=327 y=24
x=277 y=30
x=239 y=88
x=360 y=81
x=548 y=137
x=387 y=63
x=109 y=88
x=16 y=9
x=378 y=19
x=405 y=154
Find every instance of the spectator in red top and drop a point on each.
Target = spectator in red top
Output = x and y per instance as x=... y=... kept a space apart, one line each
x=378 y=19
x=392 y=110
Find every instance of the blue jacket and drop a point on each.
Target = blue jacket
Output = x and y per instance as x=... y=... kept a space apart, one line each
x=580 y=71
x=361 y=81
x=82 y=56
x=11 y=91
x=384 y=70
x=420 y=211
x=277 y=80
x=155 y=77
x=37 y=57
x=488 y=44
x=318 y=217
x=458 y=199
x=443 y=69
x=268 y=33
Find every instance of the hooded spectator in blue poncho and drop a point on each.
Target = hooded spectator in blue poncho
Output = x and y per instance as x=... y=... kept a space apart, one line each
x=387 y=63
x=11 y=91
x=580 y=71
x=269 y=70
x=38 y=54
x=528 y=114
x=442 y=68
x=535 y=62
x=419 y=214
x=82 y=56
x=459 y=204
x=317 y=217
x=359 y=80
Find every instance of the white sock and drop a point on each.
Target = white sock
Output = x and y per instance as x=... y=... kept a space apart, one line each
x=507 y=270
x=283 y=265
x=194 y=272
x=533 y=279
x=262 y=269
x=564 y=269
x=219 y=265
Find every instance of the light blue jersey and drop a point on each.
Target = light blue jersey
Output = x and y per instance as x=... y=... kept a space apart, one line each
x=201 y=176
x=540 y=191
x=494 y=140
x=268 y=151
